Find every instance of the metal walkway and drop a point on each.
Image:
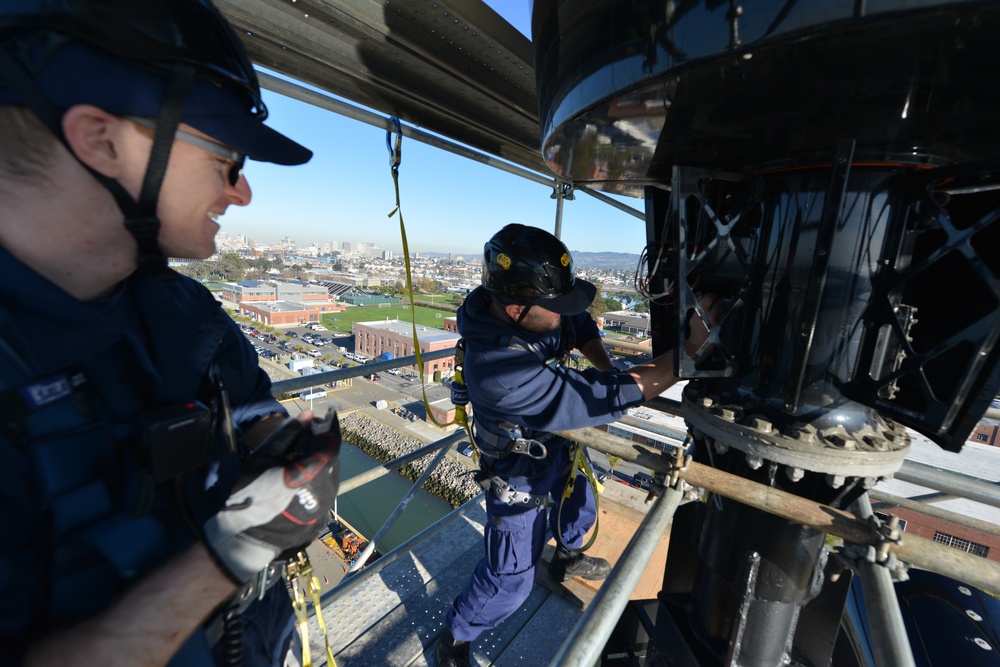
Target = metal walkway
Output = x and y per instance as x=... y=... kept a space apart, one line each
x=393 y=611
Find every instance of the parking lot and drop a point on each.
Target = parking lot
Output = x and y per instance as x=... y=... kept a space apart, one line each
x=332 y=349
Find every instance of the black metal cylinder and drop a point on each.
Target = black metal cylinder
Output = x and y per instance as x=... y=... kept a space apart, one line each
x=756 y=572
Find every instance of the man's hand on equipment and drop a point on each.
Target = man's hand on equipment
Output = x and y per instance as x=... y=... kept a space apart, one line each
x=711 y=305
x=277 y=507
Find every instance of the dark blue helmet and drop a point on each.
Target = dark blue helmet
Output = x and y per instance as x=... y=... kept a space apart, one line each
x=529 y=266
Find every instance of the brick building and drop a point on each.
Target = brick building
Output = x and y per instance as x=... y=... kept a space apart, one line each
x=373 y=339
x=986 y=433
x=287 y=313
x=975 y=460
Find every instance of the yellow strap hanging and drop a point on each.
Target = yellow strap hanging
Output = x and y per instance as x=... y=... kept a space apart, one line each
x=395 y=158
x=580 y=462
x=299 y=568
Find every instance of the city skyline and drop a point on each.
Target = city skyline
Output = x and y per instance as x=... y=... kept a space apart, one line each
x=224 y=239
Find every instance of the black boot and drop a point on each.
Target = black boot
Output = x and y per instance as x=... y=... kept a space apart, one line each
x=565 y=566
x=450 y=652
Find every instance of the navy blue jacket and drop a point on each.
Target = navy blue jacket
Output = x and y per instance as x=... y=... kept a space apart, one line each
x=150 y=344
x=515 y=385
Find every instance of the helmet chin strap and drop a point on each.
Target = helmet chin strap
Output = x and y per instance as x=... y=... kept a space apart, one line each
x=141 y=219
x=140 y=215
x=524 y=313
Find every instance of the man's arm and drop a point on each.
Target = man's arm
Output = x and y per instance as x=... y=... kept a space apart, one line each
x=597 y=354
x=149 y=622
x=657 y=376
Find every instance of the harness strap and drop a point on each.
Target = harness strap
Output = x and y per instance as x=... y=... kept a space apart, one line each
x=509 y=440
x=506 y=493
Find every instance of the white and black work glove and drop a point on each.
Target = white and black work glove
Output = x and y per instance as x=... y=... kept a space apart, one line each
x=279 y=504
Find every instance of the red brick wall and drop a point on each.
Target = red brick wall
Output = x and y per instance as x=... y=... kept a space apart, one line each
x=925 y=526
x=984 y=434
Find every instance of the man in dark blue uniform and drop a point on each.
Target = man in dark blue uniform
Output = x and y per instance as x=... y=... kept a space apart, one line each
x=147 y=476
x=528 y=314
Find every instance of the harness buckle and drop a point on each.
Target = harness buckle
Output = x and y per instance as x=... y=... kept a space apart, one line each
x=531 y=448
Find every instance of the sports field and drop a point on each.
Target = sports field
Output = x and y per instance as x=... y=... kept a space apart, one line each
x=344 y=322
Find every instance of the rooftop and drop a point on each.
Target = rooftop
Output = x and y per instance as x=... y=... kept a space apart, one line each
x=281 y=306
x=426 y=334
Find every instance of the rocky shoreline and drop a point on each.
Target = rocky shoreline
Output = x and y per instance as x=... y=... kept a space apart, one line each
x=450 y=481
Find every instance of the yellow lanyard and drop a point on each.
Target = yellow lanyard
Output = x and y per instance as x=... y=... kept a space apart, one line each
x=580 y=462
x=299 y=574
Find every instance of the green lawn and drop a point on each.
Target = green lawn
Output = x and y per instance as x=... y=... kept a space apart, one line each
x=344 y=322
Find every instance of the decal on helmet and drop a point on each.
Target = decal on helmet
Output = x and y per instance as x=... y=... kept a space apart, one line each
x=564 y=260
x=504 y=261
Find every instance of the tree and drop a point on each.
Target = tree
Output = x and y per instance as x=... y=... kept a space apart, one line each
x=641 y=306
x=611 y=304
x=613 y=461
x=230 y=267
x=597 y=308
x=198 y=270
x=429 y=286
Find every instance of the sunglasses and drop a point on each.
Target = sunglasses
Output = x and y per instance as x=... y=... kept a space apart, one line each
x=238 y=159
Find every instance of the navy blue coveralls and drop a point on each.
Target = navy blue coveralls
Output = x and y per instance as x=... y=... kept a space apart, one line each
x=515 y=385
x=74 y=530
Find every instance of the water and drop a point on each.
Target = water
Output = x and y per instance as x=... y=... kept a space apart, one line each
x=367 y=507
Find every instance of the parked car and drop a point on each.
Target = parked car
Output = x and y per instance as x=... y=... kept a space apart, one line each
x=293 y=334
x=393 y=371
x=642 y=480
x=314 y=353
x=374 y=377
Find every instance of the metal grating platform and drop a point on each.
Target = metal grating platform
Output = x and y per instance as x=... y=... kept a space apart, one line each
x=396 y=615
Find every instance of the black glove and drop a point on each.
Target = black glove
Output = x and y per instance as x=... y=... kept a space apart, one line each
x=277 y=507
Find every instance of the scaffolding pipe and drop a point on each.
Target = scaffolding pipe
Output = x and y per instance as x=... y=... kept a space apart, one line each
x=559 y=212
x=586 y=641
x=627 y=345
x=382 y=470
x=354 y=112
x=369 y=549
x=955 y=483
x=309 y=381
x=888 y=500
x=668 y=405
x=915 y=550
x=892 y=645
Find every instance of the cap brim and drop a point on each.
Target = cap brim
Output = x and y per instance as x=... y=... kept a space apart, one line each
x=572 y=302
x=252 y=138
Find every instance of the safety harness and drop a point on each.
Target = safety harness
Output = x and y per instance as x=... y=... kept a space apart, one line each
x=499 y=439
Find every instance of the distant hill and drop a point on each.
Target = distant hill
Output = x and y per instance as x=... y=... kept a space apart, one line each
x=605 y=260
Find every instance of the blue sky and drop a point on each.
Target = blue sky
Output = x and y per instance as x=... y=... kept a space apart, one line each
x=450 y=204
